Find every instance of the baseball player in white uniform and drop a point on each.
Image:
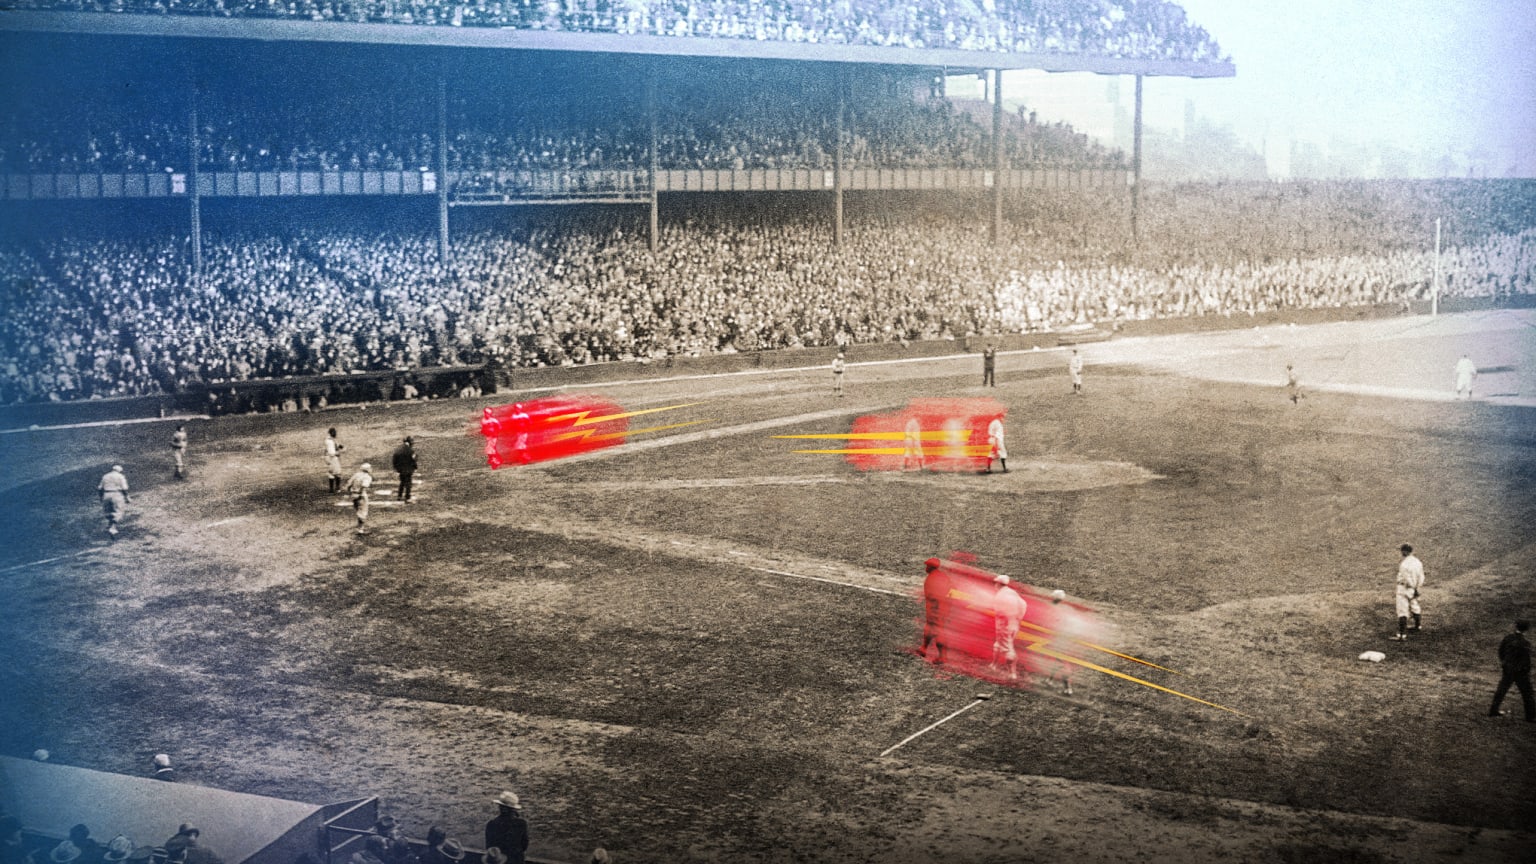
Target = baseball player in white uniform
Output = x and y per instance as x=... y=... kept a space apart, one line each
x=1008 y=610
x=1067 y=630
x=358 y=486
x=997 y=447
x=333 y=450
x=1410 y=581
x=838 y=366
x=113 y=489
x=179 y=449
x=1075 y=369
x=913 y=451
x=1465 y=372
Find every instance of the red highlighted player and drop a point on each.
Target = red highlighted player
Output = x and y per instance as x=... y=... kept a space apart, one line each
x=935 y=609
x=490 y=427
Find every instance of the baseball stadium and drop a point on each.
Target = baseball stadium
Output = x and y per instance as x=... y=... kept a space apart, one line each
x=643 y=298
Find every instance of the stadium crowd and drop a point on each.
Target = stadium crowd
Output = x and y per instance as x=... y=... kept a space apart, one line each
x=18 y=846
x=385 y=843
x=1142 y=29
x=721 y=133
x=111 y=316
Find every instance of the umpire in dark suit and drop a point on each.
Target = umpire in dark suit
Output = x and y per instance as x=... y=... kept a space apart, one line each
x=1515 y=659
x=404 y=463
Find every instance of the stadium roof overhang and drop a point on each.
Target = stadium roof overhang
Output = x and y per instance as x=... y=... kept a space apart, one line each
x=954 y=60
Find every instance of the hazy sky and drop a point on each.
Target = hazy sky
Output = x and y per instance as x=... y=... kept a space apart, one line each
x=1431 y=77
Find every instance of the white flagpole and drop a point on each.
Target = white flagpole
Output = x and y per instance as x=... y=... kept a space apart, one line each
x=1434 y=293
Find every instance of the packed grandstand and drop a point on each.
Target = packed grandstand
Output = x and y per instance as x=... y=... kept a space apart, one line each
x=108 y=313
x=103 y=306
x=1141 y=29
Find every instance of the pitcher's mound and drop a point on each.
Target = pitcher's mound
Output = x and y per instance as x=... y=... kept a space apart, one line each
x=1037 y=475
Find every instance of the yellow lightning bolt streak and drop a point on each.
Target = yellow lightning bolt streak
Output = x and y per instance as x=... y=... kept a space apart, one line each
x=941 y=435
x=585 y=434
x=1035 y=626
x=1039 y=648
x=1037 y=644
x=970 y=450
x=583 y=420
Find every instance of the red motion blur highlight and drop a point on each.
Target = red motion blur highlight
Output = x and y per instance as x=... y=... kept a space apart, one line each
x=550 y=428
x=959 y=626
x=930 y=434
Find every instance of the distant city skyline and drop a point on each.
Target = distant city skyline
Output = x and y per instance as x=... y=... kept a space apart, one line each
x=1338 y=88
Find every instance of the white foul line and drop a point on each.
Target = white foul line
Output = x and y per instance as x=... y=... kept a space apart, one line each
x=44 y=561
x=94 y=423
x=828 y=581
x=980 y=698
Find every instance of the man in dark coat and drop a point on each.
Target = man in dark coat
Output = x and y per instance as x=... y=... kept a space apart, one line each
x=405 y=466
x=1515 y=660
x=509 y=830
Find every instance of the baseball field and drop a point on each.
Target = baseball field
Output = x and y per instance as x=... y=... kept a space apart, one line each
x=697 y=645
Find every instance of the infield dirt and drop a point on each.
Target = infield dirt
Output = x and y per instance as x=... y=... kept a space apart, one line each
x=625 y=642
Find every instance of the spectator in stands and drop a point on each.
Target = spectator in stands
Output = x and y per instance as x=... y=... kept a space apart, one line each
x=65 y=853
x=161 y=768
x=91 y=852
x=12 y=849
x=196 y=852
x=399 y=848
x=509 y=830
x=433 y=853
x=118 y=850
x=452 y=850
x=375 y=848
x=176 y=849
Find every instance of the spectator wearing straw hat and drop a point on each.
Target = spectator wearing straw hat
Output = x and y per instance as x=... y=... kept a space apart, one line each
x=433 y=854
x=509 y=830
x=452 y=851
x=65 y=853
x=118 y=849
